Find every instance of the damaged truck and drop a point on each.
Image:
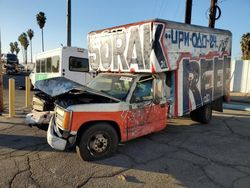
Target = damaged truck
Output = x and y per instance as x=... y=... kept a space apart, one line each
x=149 y=71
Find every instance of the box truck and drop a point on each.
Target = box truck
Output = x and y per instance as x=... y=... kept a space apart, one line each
x=149 y=71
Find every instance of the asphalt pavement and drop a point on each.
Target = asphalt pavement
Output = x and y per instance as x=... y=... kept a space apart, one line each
x=185 y=154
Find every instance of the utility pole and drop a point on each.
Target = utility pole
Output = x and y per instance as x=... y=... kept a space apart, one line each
x=188 y=13
x=212 y=14
x=68 y=23
x=1 y=76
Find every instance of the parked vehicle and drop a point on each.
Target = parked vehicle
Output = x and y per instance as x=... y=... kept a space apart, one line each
x=151 y=70
x=10 y=63
x=67 y=62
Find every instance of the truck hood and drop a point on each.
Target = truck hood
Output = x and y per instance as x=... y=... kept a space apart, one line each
x=60 y=85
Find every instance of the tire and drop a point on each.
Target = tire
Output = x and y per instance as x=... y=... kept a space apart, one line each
x=98 y=141
x=194 y=115
x=206 y=114
x=203 y=114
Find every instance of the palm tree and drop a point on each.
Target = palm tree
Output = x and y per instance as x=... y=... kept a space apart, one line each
x=41 y=20
x=12 y=47
x=30 y=34
x=245 y=46
x=17 y=49
x=25 y=43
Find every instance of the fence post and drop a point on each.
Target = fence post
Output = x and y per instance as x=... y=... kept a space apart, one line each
x=11 y=97
x=27 y=92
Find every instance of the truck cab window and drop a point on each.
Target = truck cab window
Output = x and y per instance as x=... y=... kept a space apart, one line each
x=143 y=90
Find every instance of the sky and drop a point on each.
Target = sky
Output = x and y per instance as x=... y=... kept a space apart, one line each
x=17 y=16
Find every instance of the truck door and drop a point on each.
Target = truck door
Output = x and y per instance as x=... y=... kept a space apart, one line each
x=144 y=115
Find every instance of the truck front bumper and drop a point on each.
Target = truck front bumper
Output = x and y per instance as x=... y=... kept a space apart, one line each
x=38 y=118
x=54 y=137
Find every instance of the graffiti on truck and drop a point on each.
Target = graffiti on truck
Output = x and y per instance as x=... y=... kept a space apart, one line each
x=187 y=38
x=121 y=49
x=149 y=47
x=201 y=81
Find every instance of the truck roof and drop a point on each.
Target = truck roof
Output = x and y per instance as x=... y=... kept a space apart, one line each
x=170 y=23
x=57 y=51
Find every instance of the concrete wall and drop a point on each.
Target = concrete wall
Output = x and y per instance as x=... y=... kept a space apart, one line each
x=240 y=76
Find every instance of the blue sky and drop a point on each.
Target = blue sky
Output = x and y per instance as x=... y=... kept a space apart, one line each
x=17 y=16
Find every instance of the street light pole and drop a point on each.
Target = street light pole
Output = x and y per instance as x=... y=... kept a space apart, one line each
x=1 y=76
x=68 y=22
x=188 y=13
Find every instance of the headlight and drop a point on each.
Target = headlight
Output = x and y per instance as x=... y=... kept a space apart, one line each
x=63 y=118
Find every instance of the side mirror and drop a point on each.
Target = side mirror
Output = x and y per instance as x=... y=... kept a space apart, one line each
x=157 y=91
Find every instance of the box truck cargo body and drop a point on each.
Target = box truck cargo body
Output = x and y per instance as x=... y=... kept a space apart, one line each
x=150 y=71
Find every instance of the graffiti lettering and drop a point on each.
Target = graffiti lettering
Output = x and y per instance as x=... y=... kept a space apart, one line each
x=120 y=50
x=195 y=39
x=158 y=49
x=152 y=47
x=203 y=80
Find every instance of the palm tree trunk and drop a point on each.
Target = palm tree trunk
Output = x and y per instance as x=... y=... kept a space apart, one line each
x=26 y=58
x=23 y=54
x=31 y=60
x=42 y=41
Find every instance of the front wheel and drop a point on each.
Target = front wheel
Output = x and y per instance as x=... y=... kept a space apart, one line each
x=98 y=141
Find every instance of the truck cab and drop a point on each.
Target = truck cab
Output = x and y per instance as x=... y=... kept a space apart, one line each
x=112 y=108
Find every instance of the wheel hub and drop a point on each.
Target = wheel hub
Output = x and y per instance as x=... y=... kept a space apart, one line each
x=99 y=143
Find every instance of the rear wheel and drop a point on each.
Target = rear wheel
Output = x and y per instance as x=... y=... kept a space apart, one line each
x=98 y=141
x=202 y=114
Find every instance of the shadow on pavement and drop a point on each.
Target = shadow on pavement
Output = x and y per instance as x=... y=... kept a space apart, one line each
x=192 y=154
x=24 y=142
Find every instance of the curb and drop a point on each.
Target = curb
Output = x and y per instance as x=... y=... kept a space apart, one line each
x=236 y=106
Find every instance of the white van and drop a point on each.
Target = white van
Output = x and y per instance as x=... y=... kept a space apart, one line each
x=69 y=62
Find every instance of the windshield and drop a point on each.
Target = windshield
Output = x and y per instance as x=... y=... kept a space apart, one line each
x=114 y=85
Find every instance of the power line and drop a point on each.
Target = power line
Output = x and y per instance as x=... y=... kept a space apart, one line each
x=221 y=1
